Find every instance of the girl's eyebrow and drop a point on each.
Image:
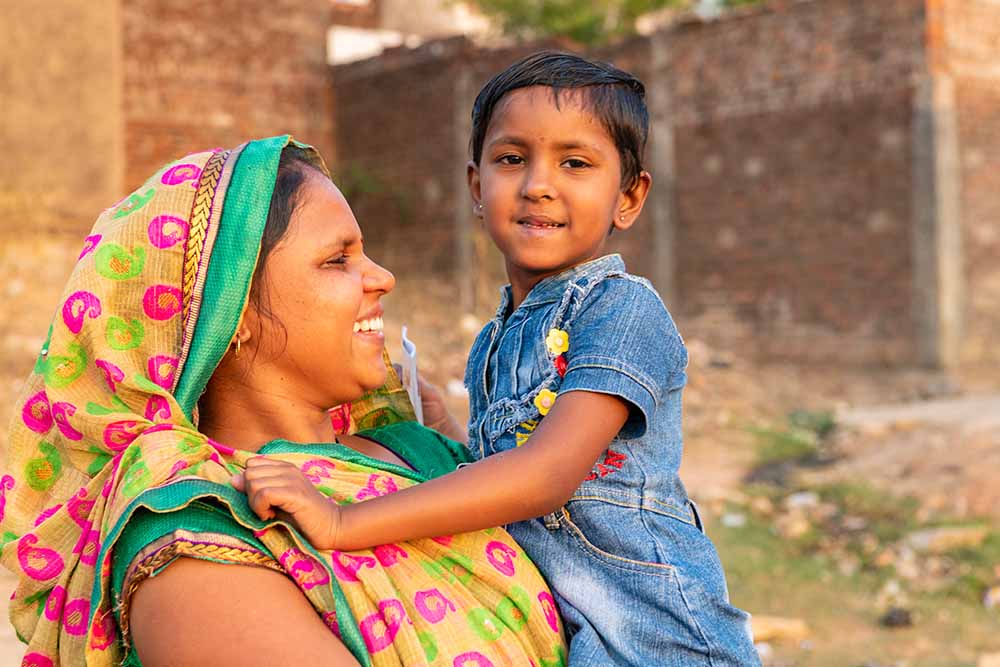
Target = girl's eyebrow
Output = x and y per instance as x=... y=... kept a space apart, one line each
x=511 y=140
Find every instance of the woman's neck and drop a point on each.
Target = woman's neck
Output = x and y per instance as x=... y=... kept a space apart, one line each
x=247 y=417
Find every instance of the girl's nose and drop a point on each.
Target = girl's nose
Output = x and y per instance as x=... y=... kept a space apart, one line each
x=537 y=184
x=378 y=279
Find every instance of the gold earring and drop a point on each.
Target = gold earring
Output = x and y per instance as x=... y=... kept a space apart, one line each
x=239 y=341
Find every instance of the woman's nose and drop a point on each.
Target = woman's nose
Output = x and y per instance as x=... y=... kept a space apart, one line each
x=378 y=278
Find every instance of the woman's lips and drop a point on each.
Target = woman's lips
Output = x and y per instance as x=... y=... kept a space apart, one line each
x=369 y=325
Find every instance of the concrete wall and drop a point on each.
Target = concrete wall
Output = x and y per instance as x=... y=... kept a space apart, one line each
x=62 y=162
x=966 y=39
x=60 y=113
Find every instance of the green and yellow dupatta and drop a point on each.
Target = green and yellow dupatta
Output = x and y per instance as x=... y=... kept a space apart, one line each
x=105 y=430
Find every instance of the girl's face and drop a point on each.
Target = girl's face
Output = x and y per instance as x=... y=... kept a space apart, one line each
x=324 y=339
x=549 y=182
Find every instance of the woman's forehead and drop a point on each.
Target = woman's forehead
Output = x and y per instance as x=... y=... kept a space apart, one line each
x=322 y=216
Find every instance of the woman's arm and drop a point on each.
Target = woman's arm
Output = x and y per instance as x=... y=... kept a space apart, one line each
x=196 y=612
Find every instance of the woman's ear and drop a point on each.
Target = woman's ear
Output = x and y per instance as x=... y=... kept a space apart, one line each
x=472 y=175
x=245 y=327
x=631 y=201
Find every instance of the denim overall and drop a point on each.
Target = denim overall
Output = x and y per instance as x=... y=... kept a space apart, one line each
x=637 y=581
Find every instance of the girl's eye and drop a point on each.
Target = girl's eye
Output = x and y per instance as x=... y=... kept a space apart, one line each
x=339 y=259
x=510 y=159
x=576 y=163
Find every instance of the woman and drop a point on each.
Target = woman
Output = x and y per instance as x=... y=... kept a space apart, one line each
x=213 y=319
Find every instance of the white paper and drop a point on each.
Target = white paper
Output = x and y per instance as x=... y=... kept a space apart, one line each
x=409 y=375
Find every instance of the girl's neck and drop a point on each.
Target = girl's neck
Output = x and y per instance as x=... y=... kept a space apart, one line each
x=521 y=284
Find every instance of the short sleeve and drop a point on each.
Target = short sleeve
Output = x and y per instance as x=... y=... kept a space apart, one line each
x=623 y=342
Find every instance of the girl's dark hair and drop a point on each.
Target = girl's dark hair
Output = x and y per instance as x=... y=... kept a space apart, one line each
x=615 y=97
x=292 y=172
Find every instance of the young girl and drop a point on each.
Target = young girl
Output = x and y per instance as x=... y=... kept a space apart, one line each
x=575 y=389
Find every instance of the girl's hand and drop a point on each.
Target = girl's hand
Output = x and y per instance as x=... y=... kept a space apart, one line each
x=279 y=490
x=436 y=414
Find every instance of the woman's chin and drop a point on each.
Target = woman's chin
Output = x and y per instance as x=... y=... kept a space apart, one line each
x=376 y=378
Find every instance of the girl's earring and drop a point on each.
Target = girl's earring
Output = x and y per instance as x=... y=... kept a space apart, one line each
x=478 y=210
x=239 y=341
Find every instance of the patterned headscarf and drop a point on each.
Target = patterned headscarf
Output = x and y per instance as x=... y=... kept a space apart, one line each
x=104 y=423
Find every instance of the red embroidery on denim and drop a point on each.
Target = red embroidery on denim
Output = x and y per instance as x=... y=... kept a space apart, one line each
x=613 y=462
x=560 y=364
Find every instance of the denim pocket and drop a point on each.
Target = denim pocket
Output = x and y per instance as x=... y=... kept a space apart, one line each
x=615 y=528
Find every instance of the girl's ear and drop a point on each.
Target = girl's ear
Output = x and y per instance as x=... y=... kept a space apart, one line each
x=631 y=201
x=472 y=175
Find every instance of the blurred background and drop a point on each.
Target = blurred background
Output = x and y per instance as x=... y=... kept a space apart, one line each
x=824 y=226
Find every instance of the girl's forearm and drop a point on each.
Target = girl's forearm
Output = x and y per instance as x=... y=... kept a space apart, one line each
x=515 y=485
x=494 y=492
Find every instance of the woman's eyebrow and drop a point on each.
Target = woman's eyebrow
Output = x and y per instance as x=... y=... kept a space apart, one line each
x=341 y=242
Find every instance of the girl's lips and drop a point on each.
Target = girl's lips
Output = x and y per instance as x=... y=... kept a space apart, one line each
x=540 y=222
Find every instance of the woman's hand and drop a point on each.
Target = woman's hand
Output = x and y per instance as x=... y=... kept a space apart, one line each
x=436 y=414
x=279 y=490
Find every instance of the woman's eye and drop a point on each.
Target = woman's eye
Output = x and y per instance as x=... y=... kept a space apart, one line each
x=576 y=163
x=510 y=159
x=339 y=259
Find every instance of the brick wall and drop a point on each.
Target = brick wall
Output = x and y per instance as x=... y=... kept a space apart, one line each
x=793 y=154
x=205 y=74
x=782 y=214
x=402 y=143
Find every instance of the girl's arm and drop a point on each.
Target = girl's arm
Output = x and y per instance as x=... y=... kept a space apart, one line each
x=523 y=483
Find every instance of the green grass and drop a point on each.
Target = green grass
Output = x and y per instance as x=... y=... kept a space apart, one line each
x=796 y=441
x=780 y=445
x=768 y=575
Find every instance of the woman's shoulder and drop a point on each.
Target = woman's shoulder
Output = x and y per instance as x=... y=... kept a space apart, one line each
x=196 y=612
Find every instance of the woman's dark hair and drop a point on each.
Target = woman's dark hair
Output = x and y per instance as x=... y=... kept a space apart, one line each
x=293 y=168
x=615 y=97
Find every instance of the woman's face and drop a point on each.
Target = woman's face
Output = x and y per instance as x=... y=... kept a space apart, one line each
x=324 y=335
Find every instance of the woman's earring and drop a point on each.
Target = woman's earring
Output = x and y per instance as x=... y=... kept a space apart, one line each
x=478 y=210
x=238 y=342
